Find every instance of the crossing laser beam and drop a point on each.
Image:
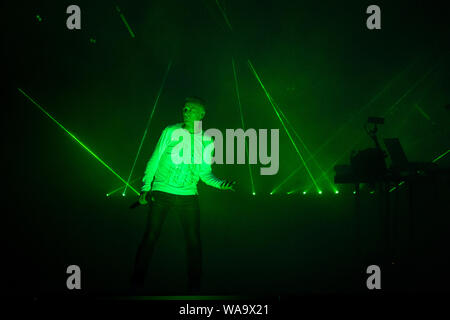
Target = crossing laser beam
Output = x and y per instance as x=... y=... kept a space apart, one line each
x=388 y=111
x=119 y=188
x=286 y=179
x=348 y=121
x=311 y=156
x=148 y=125
x=388 y=85
x=76 y=139
x=242 y=121
x=282 y=122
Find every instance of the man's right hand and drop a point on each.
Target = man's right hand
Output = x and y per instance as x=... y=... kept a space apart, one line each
x=143 y=198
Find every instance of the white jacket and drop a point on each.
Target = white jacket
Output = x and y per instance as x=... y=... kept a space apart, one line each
x=180 y=179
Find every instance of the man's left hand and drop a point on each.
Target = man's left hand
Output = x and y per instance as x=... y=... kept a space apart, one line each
x=228 y=185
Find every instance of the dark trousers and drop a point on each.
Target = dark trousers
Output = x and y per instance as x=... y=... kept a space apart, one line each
x=188 y=211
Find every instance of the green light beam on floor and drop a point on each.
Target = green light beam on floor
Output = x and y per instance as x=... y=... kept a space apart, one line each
x=242 y=122
x=311 y=156
x=282 y=122
x=224 y=15
x=125 y=22
x=147 y=126
x=75 y=138
x=119 y=188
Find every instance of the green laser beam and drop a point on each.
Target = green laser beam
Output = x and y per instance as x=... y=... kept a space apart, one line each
x=348 y=121
x=311 y=156
x=435 y=160
x=393 y=188
x=344 y=154
x=127 y=25
x=224 y=15
x=441 y=156
x=389 y=110
x=119 y=188
x=148 y=124
x=75 y=138
x=388 y=85
x=242 y=121
x=327 y=171
x=423 y=113
x=125 y=22
x=282 y=122
x=286 y=179
x=297 y=189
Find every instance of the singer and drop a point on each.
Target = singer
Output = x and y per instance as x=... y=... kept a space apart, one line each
x=172 y=188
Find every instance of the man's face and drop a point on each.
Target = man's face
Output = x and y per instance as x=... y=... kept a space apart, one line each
x=192 y=112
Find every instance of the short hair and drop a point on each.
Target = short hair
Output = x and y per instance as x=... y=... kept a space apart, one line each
x=196 y=100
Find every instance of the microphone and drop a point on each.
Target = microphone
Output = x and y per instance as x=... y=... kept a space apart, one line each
x=137 y=204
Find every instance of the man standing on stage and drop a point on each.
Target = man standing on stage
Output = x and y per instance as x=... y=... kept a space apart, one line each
x=172 y=187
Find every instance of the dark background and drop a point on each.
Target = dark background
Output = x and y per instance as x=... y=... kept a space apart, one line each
x=320 y=63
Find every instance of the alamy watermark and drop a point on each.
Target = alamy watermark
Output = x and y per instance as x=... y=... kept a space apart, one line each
x=257 y=147
x=73 y=22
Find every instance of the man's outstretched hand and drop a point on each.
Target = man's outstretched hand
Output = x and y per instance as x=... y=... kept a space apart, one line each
x=228 y=185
